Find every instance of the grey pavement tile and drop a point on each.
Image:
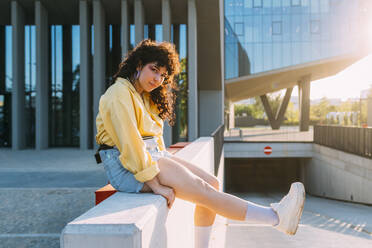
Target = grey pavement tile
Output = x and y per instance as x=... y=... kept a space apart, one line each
x=325 y=223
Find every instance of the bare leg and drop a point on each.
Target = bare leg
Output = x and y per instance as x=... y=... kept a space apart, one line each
x=202 y=216
x=190 y=187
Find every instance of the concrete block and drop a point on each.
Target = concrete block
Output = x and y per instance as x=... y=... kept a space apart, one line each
x=123 y=220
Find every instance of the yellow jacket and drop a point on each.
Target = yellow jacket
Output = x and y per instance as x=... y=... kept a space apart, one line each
x=122 y=120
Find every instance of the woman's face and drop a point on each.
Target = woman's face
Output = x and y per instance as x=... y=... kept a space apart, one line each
x=151 y=76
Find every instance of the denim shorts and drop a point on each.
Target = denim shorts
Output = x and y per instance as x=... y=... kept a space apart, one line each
x=120 y=178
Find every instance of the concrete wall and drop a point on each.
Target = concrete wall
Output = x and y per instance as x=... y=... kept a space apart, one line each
x=256 y=150
x=211 y=111
x=326 y=172
x=143 y=220
x=338 y=175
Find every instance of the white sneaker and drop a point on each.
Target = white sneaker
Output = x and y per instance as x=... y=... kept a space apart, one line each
x=289 y=209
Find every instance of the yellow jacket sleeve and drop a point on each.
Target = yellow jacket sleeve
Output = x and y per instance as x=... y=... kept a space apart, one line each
x=118 y=113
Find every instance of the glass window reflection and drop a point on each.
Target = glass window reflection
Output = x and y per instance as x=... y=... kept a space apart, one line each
x=297 y=31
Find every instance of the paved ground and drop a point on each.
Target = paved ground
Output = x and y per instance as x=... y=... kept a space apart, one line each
x=325 y=223
x=42 y=191
x=265 y=134
x=50 y=168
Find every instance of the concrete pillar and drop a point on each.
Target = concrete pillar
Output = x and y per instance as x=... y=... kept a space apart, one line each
x=86 y=110
x=99 y=57
x=18 y=71
x=304 y=97
x=42 y=70
x=268 y=111
x=276 y=121
x=166 y=19
x=67 y=83
x=369 y=111
x=222 y=57
x=139 y=21
x=193 y=131
x=166 y=22
x=209 y=75
x=283 y=106
x=231 y=115
x=124 y=27
x=210 y=114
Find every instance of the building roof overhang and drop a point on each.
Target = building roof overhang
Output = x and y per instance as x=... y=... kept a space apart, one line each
x=241 y=88
x=66 y=12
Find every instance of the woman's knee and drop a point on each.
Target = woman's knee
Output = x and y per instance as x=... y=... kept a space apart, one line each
x=171 y=174
x=175 y=175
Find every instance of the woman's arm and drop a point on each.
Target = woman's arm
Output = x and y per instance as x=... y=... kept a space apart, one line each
x=120 y=120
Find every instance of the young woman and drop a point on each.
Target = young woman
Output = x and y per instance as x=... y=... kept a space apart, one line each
x=129 y=132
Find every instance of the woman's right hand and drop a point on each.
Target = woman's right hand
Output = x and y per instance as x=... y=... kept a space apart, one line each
x=167 y=193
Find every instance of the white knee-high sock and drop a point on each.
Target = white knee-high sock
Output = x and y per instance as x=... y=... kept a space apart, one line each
x=202 y=235
x=260 y=214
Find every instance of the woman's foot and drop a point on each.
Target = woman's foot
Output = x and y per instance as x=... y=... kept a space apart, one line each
x=289 y=209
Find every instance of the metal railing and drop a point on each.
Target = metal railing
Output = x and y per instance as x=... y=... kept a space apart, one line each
x=356 y=140
x=218 y=139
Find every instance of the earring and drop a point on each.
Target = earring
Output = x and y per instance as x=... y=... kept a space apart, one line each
x=136 y=76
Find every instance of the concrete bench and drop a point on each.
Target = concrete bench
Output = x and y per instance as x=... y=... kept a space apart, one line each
x=143 y=220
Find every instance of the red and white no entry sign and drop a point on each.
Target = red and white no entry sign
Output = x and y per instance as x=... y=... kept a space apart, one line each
x=268 y=150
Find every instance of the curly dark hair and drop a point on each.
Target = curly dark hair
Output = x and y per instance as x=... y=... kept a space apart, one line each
x=163 y=54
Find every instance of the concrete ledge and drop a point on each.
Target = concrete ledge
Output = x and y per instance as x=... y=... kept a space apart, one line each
x=120 y=221
x=142 y=220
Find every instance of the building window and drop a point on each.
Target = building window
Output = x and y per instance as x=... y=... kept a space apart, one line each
x=277 y=28
x=239 y=28
x=295 y=3
x=315 y=26
x=257 y=3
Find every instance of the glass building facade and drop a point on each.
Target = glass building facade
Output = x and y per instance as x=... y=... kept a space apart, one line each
x=278 y=33
x=64 y=80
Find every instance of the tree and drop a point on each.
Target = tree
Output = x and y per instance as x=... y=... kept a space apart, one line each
x=291 y=115
x=241 y=109
x=318 y=112
x=181 y=101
